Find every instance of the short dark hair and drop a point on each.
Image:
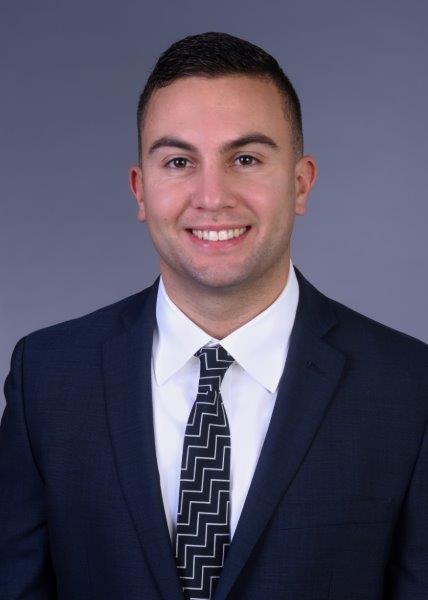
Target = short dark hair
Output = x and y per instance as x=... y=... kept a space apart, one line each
x=213 y=54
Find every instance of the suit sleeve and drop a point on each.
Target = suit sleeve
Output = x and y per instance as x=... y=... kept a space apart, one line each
x=407 y=570
x=25 y=567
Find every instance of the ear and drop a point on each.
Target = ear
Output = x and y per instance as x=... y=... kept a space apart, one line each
x=136 y=185
x=304 y=179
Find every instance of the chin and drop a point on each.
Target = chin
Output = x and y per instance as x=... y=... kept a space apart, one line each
x=219 y=280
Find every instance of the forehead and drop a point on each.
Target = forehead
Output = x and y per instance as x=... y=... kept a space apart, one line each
x=213 y=109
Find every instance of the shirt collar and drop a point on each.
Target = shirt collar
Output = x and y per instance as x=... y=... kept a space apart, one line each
x=259 y=346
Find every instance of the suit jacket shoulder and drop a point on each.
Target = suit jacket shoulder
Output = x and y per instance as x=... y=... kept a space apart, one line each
x=357 y=332
x=90 y=329
x=377 y=337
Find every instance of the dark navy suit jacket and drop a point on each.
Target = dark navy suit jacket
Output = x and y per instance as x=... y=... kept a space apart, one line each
x=338 y=505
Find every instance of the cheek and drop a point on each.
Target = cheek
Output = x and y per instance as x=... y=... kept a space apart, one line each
x=270 y=195
x=273 y=208
x=163 y=206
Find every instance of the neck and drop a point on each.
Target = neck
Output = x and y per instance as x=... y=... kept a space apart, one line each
x=220 y=311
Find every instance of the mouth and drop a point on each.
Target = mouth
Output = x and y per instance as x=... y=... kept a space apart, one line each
x=222 y=235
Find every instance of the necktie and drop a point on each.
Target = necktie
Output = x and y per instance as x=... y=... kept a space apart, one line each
x=203 y=517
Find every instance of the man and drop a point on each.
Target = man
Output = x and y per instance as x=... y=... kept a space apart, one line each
x=229 y=432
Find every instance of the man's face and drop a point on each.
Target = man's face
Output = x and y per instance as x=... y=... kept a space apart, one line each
x=199 y=177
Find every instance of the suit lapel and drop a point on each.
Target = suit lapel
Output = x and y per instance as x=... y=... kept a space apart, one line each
x=310 y=377
x=127 y=376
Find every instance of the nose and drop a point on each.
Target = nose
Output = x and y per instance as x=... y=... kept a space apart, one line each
x=212 y=190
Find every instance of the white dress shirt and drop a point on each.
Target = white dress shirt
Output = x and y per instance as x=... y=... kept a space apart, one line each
x=249 y=389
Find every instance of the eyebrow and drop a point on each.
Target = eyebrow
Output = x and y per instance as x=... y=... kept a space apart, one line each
x=249 y=138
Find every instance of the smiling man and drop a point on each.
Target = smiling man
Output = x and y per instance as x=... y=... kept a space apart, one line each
x=230 y=431
x=221 y=177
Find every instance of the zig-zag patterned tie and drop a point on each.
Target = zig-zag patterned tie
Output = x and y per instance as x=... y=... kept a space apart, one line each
x=203 y=518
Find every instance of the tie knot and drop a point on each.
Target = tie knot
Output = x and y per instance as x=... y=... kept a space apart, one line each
x=214 y=362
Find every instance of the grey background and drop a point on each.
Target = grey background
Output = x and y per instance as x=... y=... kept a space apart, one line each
x=70 y=241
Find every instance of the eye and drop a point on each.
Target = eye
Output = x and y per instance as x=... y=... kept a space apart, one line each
x=178 y=162
x=247 y=160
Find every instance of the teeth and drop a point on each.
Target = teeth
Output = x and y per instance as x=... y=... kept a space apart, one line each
x=215 y=236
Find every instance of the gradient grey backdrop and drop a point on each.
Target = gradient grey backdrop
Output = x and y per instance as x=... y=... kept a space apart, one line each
x=70 y=241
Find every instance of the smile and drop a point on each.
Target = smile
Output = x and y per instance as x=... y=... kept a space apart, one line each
x=215 y=236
